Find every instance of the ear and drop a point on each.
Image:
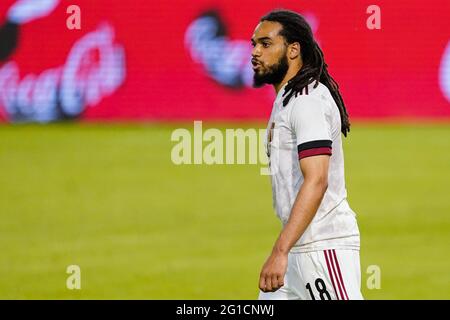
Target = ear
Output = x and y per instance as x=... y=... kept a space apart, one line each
x=294 y=50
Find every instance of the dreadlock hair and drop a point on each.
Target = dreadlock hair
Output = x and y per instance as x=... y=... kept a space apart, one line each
x=296 y=29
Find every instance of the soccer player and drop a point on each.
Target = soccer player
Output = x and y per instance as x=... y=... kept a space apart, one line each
x=316 y=255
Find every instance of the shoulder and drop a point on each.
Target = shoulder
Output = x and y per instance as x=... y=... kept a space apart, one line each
x=316 y=100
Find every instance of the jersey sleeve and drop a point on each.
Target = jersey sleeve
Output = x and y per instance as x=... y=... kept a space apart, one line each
x=312 y=127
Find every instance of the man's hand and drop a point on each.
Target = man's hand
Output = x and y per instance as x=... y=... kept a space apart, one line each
x=272 y=274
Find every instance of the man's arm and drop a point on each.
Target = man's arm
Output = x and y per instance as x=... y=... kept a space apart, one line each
x=309 y=197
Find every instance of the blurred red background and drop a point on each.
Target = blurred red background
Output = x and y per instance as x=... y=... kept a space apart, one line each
x=391 y=72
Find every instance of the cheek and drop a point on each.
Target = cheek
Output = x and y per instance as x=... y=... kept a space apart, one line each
x=272 y=57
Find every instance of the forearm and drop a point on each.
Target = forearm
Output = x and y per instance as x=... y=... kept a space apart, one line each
x=303 y=211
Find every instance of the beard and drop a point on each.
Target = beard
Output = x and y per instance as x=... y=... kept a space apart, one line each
x=273 y=75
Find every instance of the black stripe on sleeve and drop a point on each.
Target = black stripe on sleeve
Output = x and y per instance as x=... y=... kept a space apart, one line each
x=314 y=144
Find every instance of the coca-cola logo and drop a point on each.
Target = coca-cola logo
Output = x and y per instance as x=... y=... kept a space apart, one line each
x=225 y=60
x=94 y=69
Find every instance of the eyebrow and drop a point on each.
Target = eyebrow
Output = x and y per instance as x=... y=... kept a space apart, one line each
x=260 y=39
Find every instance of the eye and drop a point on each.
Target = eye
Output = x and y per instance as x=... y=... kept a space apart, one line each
x=266 y=44
x=253 y=44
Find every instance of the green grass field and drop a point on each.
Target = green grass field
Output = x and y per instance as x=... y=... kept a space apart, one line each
x=109 y=199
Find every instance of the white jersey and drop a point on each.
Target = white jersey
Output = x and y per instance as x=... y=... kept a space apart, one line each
x=310 y=124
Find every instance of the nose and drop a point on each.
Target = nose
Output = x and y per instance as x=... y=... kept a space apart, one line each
x=256 y=52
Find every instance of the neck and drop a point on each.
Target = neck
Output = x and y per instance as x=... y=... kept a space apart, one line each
x=292 y=72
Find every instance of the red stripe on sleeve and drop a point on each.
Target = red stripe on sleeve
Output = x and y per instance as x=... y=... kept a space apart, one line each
x=314 y=152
